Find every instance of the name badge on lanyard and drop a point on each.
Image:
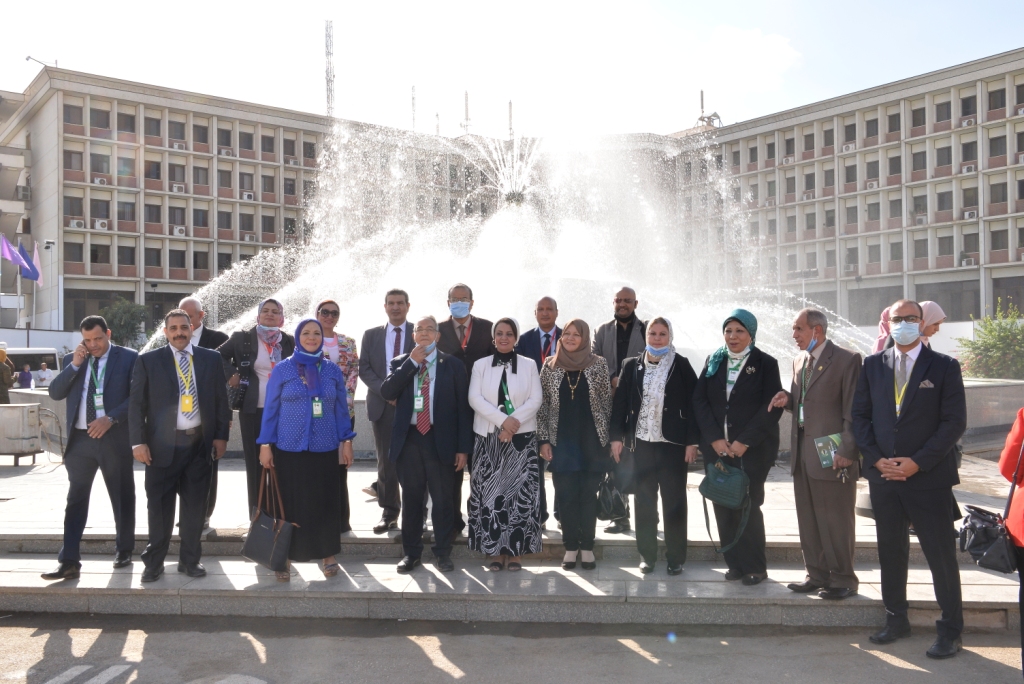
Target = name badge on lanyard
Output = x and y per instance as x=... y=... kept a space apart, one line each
x=734 y=375
x=186 y=403
x=318 y=408
x=417 y=404
x=97 y=399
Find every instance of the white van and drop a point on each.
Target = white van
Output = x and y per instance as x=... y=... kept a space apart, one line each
x=34 y=356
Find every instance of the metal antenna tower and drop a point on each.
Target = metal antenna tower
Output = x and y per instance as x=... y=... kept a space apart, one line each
x=329 y=48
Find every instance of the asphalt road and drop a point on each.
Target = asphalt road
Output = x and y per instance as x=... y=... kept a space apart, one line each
x=58 y=649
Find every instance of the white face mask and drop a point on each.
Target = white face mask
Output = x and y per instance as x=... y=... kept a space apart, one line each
x=905 y=332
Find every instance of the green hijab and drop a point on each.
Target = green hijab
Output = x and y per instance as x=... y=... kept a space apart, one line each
x=744 y=318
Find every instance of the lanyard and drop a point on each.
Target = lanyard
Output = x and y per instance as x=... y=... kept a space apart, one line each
x=805 y=377
x=419 y=375
x=900 y=394
x=187 y=382
x=98 y=379
x=465 y=337
x=546 y=351
x=509 y=408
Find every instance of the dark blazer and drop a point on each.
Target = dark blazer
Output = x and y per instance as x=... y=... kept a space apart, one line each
x=746 y=410
x=211 y=339
x=529 y=344
x=231 y=353
x=678 y=423
x=453 y=417
x=933 y=418
x=153 y=410
x=117 y=382
x=373 y=365
x=479 y=344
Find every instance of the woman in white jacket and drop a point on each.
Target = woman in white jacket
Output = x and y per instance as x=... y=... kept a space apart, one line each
x=504 y=500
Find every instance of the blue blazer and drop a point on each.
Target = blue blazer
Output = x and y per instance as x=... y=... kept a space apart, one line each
x=529 y=344
x=453 y=417
x=288 y=411
x=117 y=382
x=933 y=418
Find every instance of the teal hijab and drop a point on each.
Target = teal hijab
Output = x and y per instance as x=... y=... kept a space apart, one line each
x=744 y=318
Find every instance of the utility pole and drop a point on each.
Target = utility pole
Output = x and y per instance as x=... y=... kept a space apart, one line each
x=465 y=123
x=329 y=49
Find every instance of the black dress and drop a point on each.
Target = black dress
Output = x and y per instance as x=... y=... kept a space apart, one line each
x=311 y=492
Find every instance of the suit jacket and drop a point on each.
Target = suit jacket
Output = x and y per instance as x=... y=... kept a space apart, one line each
x=232 y=357
x=453 y=418
x=117 y=383
x=529 y=345
x=211 y=339
x=373 y=366
x=478 y=346
x=523 y=388
x=933 y=418
x=828 y=409
x=153 y=409
x=678 y=423
x=606 y=343
x=600 y=388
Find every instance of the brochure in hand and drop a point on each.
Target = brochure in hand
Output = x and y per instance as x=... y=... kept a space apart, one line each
x=827 y=448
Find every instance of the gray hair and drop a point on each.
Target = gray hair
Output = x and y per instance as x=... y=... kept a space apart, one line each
x=192 y=300
x=432 y=318
x=815 y=319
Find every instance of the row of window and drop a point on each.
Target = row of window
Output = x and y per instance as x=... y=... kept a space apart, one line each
x=153 y=213
x=176 y=258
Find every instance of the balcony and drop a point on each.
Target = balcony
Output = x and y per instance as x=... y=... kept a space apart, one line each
x=74 y=129
x=154 y=184
x=201 y=147
x=268 y=197
x=999 y=256
x=74 y=267
x=851 y=270
x=830 y=272
x=944 y=216
x=918 y=175
x=811 y=234
x=919 y=264
x=247 y=154
x=828 y=191
x=306 y=161
x=74 y=175
x=225 y=234
x=974 y=258
x=102 y=133
x=201 y=274
x=769 y=163
x=201 y=190
x=807 y=154
x=126 y=137
x=101 y=178
x=874 y=268
x=997 y=162
x=895 y=179
x=941 y=126
x=127 y=182
x=892 y=137
x=849 y=187
x=127 y=271
x=226 y=193
x=154 y=140
x=154 y=272
x=789 y=197
x=943 y=171
x=895 y=267
x=872 y=226
x=177 y=273
x=871 y=142
x=102 y=270
x=127 y=226
x=996 y=209
x=154 y=228
x=829 y=232
x=69 y=219
x=967 y=121
x=269 y=238
x=916 y=131
x=850 y=229
x=175 y=144
x=828 y=150
x=200 y=232
x=995 y=114
x=272 y=158
x=944 y=261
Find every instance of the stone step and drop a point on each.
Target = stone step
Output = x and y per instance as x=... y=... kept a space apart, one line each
x=370 y=587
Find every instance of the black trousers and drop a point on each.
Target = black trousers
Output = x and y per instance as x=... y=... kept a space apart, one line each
x=211 y=499
x=660 y=465
x=249 y=423
x=188 y=477
x=930 y=512
x=625 y=479
x=389 y=495
x=576 y=500
x=748 y=556
x=84 y=457
x=345 y=512
x=420 y=469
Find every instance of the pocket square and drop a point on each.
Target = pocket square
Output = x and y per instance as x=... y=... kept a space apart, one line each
x=926 y=384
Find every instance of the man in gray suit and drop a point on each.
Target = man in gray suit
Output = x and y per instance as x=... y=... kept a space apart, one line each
x=381 y=345
x=821 y=402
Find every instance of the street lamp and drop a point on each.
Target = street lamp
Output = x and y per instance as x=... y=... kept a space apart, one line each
x=39 y=61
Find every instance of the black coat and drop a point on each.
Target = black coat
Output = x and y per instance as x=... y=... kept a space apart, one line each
x=478 y=346
x=211 y=339
x=233 y=355
x=678 y=423
x=746 y=411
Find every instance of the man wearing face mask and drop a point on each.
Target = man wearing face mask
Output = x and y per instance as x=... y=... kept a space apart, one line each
x=908 y=413
x=820 y=400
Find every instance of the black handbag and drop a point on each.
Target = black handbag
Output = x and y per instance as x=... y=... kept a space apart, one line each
x=983 y=534
x=611 y=505
x=728 y=487
x=270 y=535
x=236 y=395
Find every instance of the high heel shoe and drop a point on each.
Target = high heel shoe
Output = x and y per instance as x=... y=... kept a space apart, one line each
x=587 y=560
x=569 y=560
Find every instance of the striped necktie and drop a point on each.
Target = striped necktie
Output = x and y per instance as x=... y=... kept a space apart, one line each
x=186 y=372
x=423 y=417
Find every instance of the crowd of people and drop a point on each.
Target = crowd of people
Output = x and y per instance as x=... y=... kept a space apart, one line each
x=467 y=395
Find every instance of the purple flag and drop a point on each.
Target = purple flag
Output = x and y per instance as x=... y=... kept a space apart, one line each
x=8 y=252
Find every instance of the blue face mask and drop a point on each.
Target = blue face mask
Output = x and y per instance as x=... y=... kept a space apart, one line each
x=905 y=332
x=812 y=345
x=431 y=347
x=459 y=309
x=658 y=352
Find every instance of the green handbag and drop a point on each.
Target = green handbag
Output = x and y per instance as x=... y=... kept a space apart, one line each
x=728 y=487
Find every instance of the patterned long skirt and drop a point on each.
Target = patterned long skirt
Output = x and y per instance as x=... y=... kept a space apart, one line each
x=504 y=500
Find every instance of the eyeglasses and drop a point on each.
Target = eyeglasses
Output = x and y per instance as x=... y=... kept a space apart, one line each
x=623 y=301
x=328 y=312
x=466 y=300
x=906 y=319
x=419 y=330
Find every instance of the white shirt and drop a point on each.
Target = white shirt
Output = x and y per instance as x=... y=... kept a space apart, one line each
x=44 y=377
x=196 y=334
x=331 y=349
x=389 y=342
x=911 y=359
x=80 y=422
x=262 y=368
x=551 y=340
x=195 y=421
x=431 y=361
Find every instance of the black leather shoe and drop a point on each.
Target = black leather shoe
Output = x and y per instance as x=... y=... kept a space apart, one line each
x=152 y=574
x=444 y=563
x=891 y=632
x=588 y=565
x=754 y=578
x=408 y=564
x=66 y=570
x=123 y=559
x=836 y=593
x=675 y=569
x=805 y=587
x=384 y=525
x=619 y=527
x=944 y=647
x=192 y=569
x=646 y=568
x=733 y=575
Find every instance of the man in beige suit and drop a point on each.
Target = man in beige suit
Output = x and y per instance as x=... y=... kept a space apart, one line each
x=821 y=402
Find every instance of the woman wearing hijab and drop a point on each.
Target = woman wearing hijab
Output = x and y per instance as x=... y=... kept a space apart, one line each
x=572 y=426
x=652 y=413
x=883 y=332
x=504 y=500
x=732 y=403
x=341 y=351
x=931 y=320
x=249 y=357
x=305 y=435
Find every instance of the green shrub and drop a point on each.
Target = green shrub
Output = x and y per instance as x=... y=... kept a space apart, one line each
x=125 y=319
x=997 y=350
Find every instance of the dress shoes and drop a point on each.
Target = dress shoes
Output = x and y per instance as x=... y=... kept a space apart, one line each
x=836 y=593
x=620 y=526
x=152 y=574
x=805 y=587
x=891 y=632
x=192 y=569
x=733 y=575
x=444 y=563
x=371 y=491
x=646 y=568
x=66 y=570
x=384 y=525
x=754 y=578
x=675 y=569
x=123 y=559
x=408 y=564
x=944 y=647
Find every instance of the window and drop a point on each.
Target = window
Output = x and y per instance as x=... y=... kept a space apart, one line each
x=808 y=142
x=99 y=118
x=921 y=204
x=268 y=183
x=153 y=213
x=769 y=150
x=969 y=151
x=851 y=173
x=968 y=105
x=850 y=132
x=791 y=224
x=917 y=117
x=223 y=262
x=99 y=254
x=754 y=192
x=223 y=179
x=852 y=256
x=896 y=208
x=201 y=218
x=72 y=160
x=895 y=251
x=997 y=192
x=1020 y=94
x=830 y=258
x=200 y=134
x=245 y=181
x=996 y=99
x=99 y=209
x=152 y=170
x=943 y=111
x=289 y=226
x=152 y=127
x=791 y=264
x=872 y=128
x=200 y=175
x=808 y=181
x=152 y=256
x=752 y=155
x=830 y=137
x=1000 y=239
x=201 y=260
x=944 y=201
x=790 y=146
x=176 y=130
x=812 y=260
x=73 y=251
x=126 y=255
x=1020 y=196
x=790 y=185
x=874 y=254
x=176 y=258
x=1020 y=141
x=810 y=221
x=289 y=147
x=851 y=214
x=224 y=137
x=73 y=115
x=971 y=243
x=736 y=158
x=176 y=216
x=125 y=166
x=125 y=123
x=997 y=146
x=970 y=197
x=245 y=140
x=309 y=150
x=267 y=224
x=945 y=246
x=246 y=222
x=830 y=218
x=224 y=220
x=772 y=227
x=921 y=249
x=918 y=161
x=267 y=143
x=894 y=123
x=125 y=212
x=872 y=170
x=289 y=186
x=73 y=206
x=895 y=166
x=944 y=156
x=771 y=188
x=830 y=178
x=176 y=173
x=874 y=211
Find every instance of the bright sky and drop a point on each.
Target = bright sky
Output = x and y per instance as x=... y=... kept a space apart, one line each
x=569 y=67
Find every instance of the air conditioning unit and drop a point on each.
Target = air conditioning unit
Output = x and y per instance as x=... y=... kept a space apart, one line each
x=289 y=240
x=227 y=153
x=787 y=160
x=968 y=168
x=247 y=196
x=23 y=193
x=76 y=223
x=293 y=162
x=921 y=220
x=98 y=180
x=972 y=214
x=101 y=224
x=177 y=187
x=249 y=238
x=1020 y=110
x=872 y=185
x=850 y=147
x=770 y=202
x=808 y=195
x=850 y=268
x=967 y=122
x=968 y=262
x=178 y=231
x=178 y=145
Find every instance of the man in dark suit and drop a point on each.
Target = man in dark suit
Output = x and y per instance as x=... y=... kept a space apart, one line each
x=179 y=421
x=432 y=437
x=95 y=383
x=468 y=339
x=380 y=346
x=908 y=413
x=207 y=338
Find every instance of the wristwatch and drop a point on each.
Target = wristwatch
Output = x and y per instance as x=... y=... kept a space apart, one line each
x=113 y=421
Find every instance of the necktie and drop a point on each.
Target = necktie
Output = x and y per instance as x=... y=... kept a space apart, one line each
x=423 y=417
x=398 y=343
x=545 y=347
x=901 y=372
x=90 y=398
x=462 y=335
x=182 y=390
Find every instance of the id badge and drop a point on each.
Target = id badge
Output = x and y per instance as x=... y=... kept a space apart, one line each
x=733 y=376
x=318 y=408
x=417 y=404
x=97 y=399
x=186 y=403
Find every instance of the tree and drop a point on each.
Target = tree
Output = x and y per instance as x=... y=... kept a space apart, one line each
x=125 y=320
x=998 y=348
